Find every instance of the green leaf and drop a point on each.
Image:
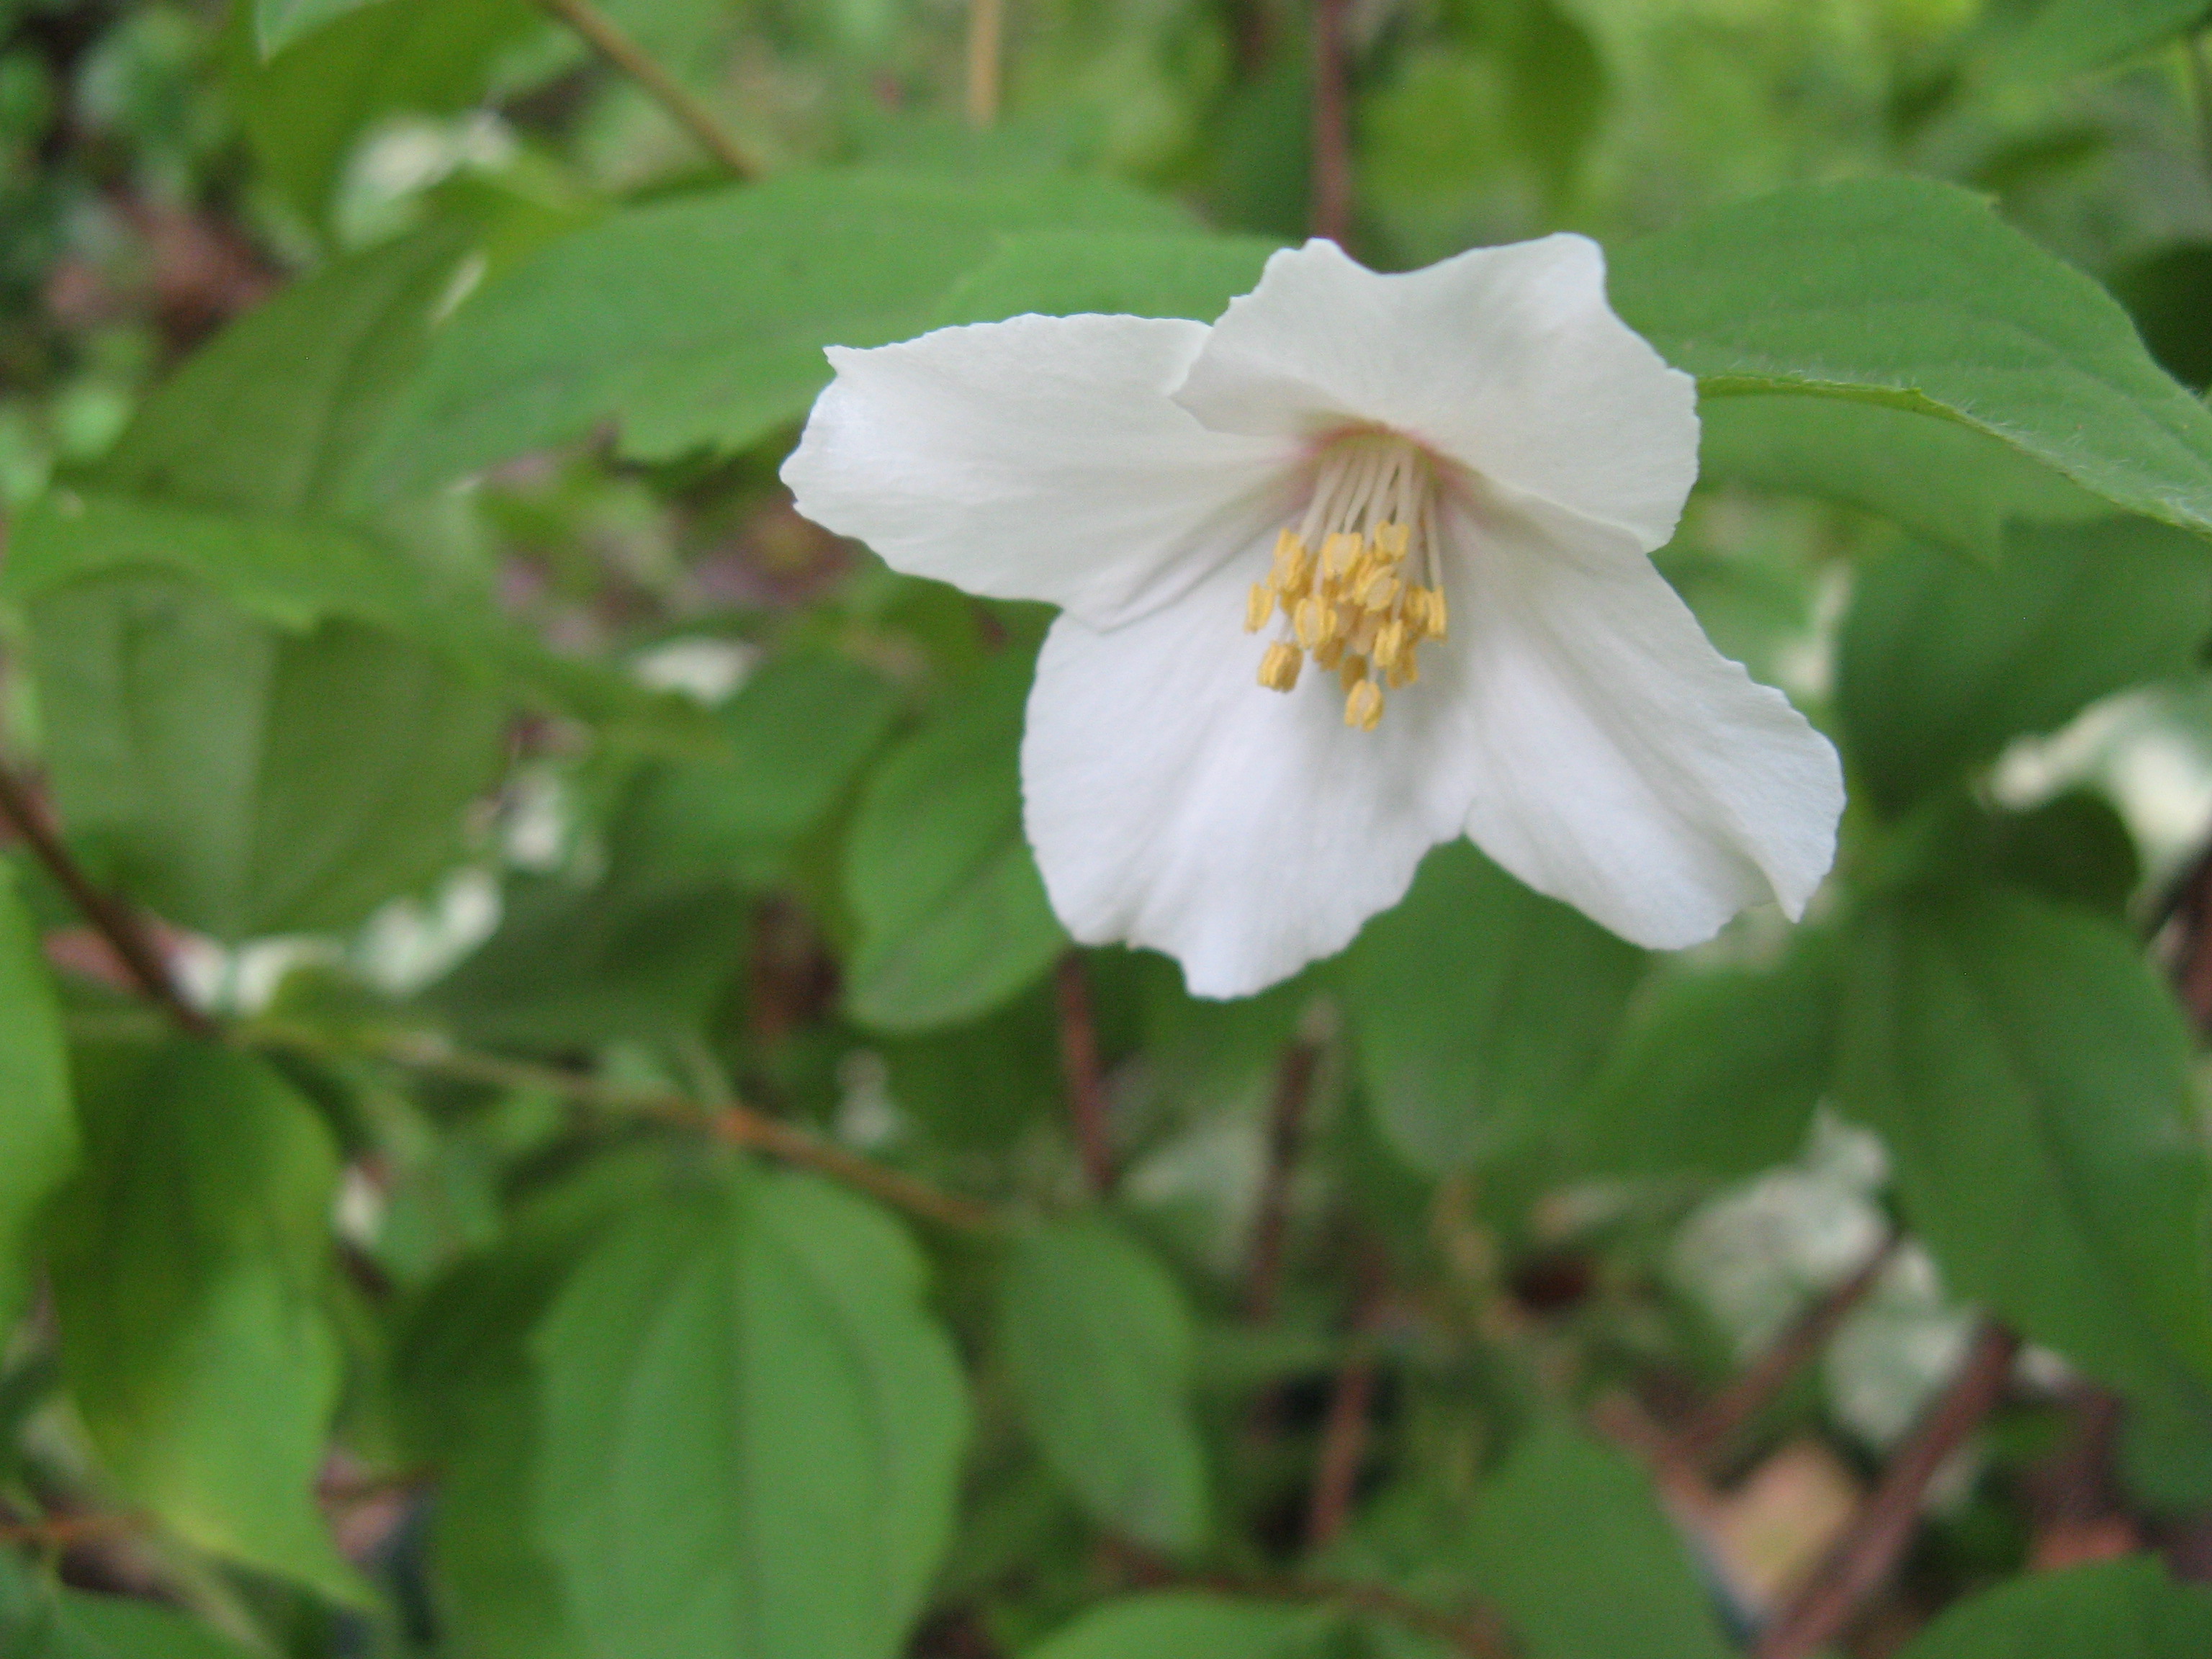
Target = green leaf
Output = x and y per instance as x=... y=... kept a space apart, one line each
x=952 y=913
x=303 y=109
x=245 y=781
x=2031 y=1077
x=1954 y=486
x=1479 y=1009
x=571 y=965
x=190 y=1260
x=301 y=381
x=1098 y=1345
x=1568 y=1538
x=751 y=1431
x=1913 y=294
x=2067 y=36
x=277 y=24
x=38 y=1125
x=798 y=734
x=1719 y=1070
x=700 y=323
x=2168 y=291
x=45 y=1620
x=1941 y=662
x=1186 y=1624
x=2124 y=1610
x=1065 y=273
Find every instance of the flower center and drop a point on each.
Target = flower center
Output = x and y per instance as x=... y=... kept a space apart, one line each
x=1356 y=584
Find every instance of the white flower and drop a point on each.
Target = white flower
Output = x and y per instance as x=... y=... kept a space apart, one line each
x=1469 y=465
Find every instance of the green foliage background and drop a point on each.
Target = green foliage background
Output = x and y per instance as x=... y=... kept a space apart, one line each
x=640 y=1173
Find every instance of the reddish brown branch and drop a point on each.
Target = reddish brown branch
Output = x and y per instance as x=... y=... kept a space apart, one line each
x=113 y=920
x=1331 y=127
x=1344 y=1436
x=1078 y=1068
x=1478 y=1634
x=1725 y=1415
x=1294 y=1082
x=1878 y=1535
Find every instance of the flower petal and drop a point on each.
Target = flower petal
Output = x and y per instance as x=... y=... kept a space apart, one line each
x=1174 y=803
x=1622 y=763
x=1038 y=458
x=1506 y=360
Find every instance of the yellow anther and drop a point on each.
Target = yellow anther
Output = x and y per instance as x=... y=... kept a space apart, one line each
x=1390 y=643
x=1351 y=672
x=1381 y=589
x=1258 y=606
x=1340 y=552
x=1392 y=539
x=1293 y=566
x=1315 y=621
x=1363 y=707
x=1330 y=653
x=1279 y=669
x=1432 y=608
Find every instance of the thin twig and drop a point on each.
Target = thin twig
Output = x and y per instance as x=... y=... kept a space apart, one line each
x=738 y=1125
x=1878 y=1535
x=1079 y=1067
x=1332 y=129
x=608 y=38
x=1294 y=1082
x=109 y=917
x=986 y=45
x=1725 y=1415
x=1344 y=1435
x=61 y=1532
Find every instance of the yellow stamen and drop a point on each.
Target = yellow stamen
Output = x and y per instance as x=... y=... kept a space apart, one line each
x=1390 y=643
x=1279 y=669
x=1314 y=622
x=1351 y=671
x=1258 y=606
x=1362 y=709
x=1339 y=552
x=1330 y=655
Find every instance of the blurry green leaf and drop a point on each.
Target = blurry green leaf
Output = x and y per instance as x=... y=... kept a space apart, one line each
x=798 y=733
x=301 y=383
x=982 y=1084
x=751 y=1431
x=304 y=107
x=189 y=1258
x=277 y=24
x=1098 y=1345
x=700 y=323
x=2168 y=291
x=1719 y=1070
x=1940 y=662
x=2067 y=36
x=38 y=1125
x=43 y=1620
x=1569 y=1541
x=246 y=781
x=572 y=965
x=2124 y=1610
x=1065 y=273
x=2031 y=1077
x=1945 y=481
x=952 y=913
x=1555 y=88
x=291 y=574
x=1477 y=1009
x=1914 y=294
x=2165 y=1453
x=468 y=1393
x=2074 y=847
x=1179 y=1625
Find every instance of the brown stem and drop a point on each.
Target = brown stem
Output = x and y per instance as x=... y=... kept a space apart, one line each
x=1294 y=1082
x=1878 y=1535
x=1343 y=1437
x=61 y=1532
x=113 y=920
x=1331 y=127
x=1725 y=1415
x=1079 y=1067
x=986 y=29
x=608 y=38
x=738 y=1125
